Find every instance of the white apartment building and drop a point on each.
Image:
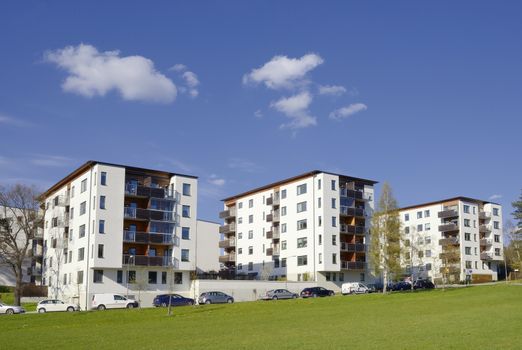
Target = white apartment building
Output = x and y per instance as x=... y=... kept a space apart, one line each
x=114 y=228
x=310 y=227
x=456 y=237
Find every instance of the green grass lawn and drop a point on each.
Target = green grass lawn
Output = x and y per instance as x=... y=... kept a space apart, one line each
x=486 y=317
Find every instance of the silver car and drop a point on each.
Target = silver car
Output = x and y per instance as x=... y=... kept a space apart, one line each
x=215 y=298
x=9 y=310
x=276 y=294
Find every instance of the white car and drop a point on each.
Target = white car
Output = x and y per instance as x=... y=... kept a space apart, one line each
x=8 y=309
x=354 y=288
x=112 y=301
x=50 y=305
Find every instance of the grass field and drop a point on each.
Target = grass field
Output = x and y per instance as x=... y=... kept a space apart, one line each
x=482 y=317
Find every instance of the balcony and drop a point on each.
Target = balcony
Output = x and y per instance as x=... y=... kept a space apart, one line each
x=273 y=251
x=34 y=271
x=485 y=241
x=448 y=227
x=228 y=258
x=450 y=269
x=230 y=228
x=273 y=233
x=273 y=200
x=145 y=260
x=134 y=190
x=148 y=237
x=484 y=215
x=351 y=193
x=352 y=229
x=227 y=243
x=449 y=241
x=347 y=211
x=39 y=234
x=486 y=256
x=37 y=251
x=148 y=214
x=485 y=228
x=228 y=214
x=351 y=247
x=353 y=265
x=61 y=201
x=450 y=255
x=273 y=217
x=448 y=213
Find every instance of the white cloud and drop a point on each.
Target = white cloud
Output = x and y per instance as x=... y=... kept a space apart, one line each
x=190 y=78
x=335 y=90
x=94 y=73
x=215 y=180
x=495 y=196
x=258 y=114
x=283 y=72
x=7 y=120
x=243 y=165
x=178 y=67
x=50 y=160
x=347 y=111
x=296 y=108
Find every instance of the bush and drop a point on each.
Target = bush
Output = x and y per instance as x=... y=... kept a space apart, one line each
x=31 y=290
x=6 y=289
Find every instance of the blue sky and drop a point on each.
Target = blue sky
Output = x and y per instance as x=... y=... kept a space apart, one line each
x=424 y=95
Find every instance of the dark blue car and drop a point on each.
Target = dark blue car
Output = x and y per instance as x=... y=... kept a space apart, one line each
x=175 y=300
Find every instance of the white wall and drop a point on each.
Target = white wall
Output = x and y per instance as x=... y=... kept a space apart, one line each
x=207 y=246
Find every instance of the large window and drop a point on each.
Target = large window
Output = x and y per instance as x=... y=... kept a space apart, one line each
x=467 y=250
x=98 y=276
x=83 y=186
x=81 y=254
x=301 y=224
x=153 y=277
x=301 y=207
x=103 y=178
x=283 y=194
x=79 y=277
x=100 y=251
x=185 y=211
x=186 y=189
x=184 y=255
x=466 y=209
x=283 y=262
x=102 y=202
x=81 y=232
x=302 y=242
x=302 y=260
x=178 y=277
x=83 y=207
x=185 y=233
x=283 y=210
x=301 y=189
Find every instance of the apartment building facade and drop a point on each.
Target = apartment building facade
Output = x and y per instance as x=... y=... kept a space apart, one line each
x=119 y=229
x=311 y=227
x=454 y=239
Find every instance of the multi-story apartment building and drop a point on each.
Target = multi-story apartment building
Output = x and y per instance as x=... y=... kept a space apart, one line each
x=309 y=227
x=454 y=238
x=114 y=228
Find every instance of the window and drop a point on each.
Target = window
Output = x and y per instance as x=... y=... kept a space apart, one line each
x=283 y=194
x=98 y=276
x=341 y=277
x=79 y=277
x=467 y=223
x=327 y=276
x=164 y=277
x=240 y=220
x=334 y=203
x=250 y=234
x=102 y=202
x=240 y=235
x=101 y=226
x=320 y=258
x=334 y=221
x=83 y=207
x=497 y=251
x=70 y=256
x=240 y=205
x=240 y=266
x=251 y=203
x=334 y=258
x=302 y=242
x=333 y=185
x=71 y=213
x=319 y=184
x=103 y=178
x=250 y=266
x=427 y=240
x=428 y=253
x=468 y=264
x=81 y=232
x=301 y=207
x=283 y=211
x=467 y=236
x=497 y=238
x=240 y=251
x=185 y=233
x=495 y=211
x=83 y=186
x=406 y=217
x=319 y=221
x=466 y=209
x=153 y=277
x=426 y=213
x=283 y=245
x=361 y=277
x=407 y=229
x=184 y=255
x=467 y=250
x=334 y=240
x=320 y=240
x=302 y=260
x=72 y=192
x=496 y=225
x=100 y=251
x=319 y=202
x=419 y=228
x=186 y=189
x=250 y=250
x=419 y=215
x=185 y=211
x=81 y=254
x=119 y=276
x=427 y=226
x=283 y=228
x=276 y=263
x=301 y=189
x=250 y=219
x=301 y=224
x=283 y=262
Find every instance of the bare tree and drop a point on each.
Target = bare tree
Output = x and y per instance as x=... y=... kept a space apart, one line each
x=19 y=223
x=513 y=247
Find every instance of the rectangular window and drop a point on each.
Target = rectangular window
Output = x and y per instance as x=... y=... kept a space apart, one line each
x=283 y=262
x=103 y=178
x=71 y=213
x=240 y=266
x=467 y=236
x=334 y=240
x=301 y=189
x=302 y=242
x=301 y=207
x=302 y=260
x=83 y=208
x=334 y=203
x=496 y=225
x=98 y=276
x=426 y=213
x=250 y=234
x=164 y=277
x=239 y=251
x=153 y=277
x=495 y=211
x=319 y=221
x=319 y=202
x=406 y=217
x=240 y=235
x=250 y=250
x=407 y=229
x=185 y=211
x=427 y=226
x=466 y=209
x=276 y=263
x=101 y=226
x=319 y=184
x=497 y=251
x=467 y=250
x=119 y=276
x=102 y=202
x=334 y=258
x=186 y=189
x=497 y=238
x=83 y=186
x=467 y=223
x=251 y=219
x=419 y=228
x=468 y=264
x=283 y=245
x=333 y=185
x=320 y=258
x=184 y=255
x=283 y=228
x=185 y=233
x=334 y=221
x=240 y=205
x=283 y=211
x=283 y=194
x=131 y=276
x=81 y=232
x=250 y=266
x=301 y=224
x=428 y=253
x=427 y=240
x=79 y=277
x=100 y=251
x=250 y=203
x=419 y=215
x=81 y=254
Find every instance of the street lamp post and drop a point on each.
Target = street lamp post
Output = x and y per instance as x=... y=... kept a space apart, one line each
x=131 y=257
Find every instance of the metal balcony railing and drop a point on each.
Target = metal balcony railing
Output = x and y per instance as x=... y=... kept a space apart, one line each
x=352 y=229
x=348 y=211
x=148 y=237
x=353 y=265
x=148 y=214
x=448 y=227
x=227 y=228
x=149 y=192
x=229 y=213
x=448 y=213
x=353 y=247
x=227 y=243
x=145 y=260
x=227 y=258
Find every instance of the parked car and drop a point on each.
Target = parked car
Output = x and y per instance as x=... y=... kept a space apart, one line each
x=372 y=288
x=51 y=305
x=10 y=310
x=423 y=284
x=402 y=285
x=354 y=288
x=314 y=292
x=175 y=300
x=112 y=301
x=276 y=294
x=215 y=298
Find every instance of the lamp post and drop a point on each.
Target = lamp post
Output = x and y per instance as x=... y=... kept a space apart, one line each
x=131 y=257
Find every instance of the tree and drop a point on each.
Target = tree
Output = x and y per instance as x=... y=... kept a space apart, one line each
x=517 y=205
x=512 y=251
x=385 y=234
x=19 y=223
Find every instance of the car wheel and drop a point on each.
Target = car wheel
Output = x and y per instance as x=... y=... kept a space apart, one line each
x=130 y=306
x=9 y=311
x=70 y=309
x=190 y=303
x=163 y=304
x=314 y=295
x=230 y=301
x=41 y=310
x=294 y=296
x=274 y=297
x=101 y=307
x=331 y=294
x=208 y=302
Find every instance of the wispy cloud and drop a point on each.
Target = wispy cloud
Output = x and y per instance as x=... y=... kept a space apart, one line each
x=296 y=108
x=347 y=111
x=50 y=160
x=495 y=197
x=93 y=73
x=215 y=180
x=334 y=90
x=258 y=114
x=190 y=78
x=9 y=120
x=244 y=165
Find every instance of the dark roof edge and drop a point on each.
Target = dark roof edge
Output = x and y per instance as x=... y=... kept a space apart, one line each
x=468 y=199
x=210 y=221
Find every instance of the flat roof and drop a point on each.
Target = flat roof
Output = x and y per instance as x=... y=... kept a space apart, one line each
x=90 y=163
x=295 y=178
x=467 y=199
